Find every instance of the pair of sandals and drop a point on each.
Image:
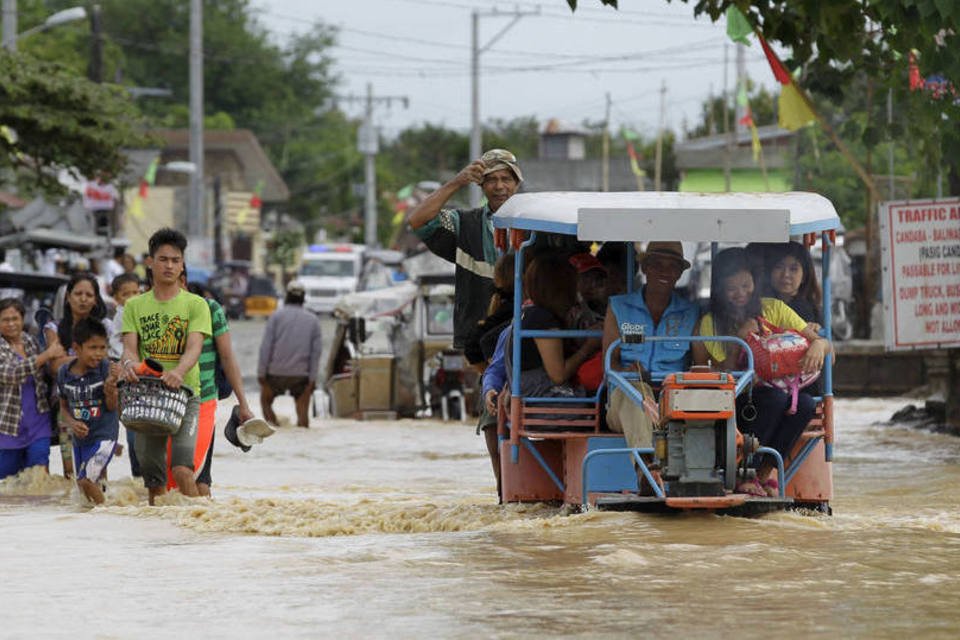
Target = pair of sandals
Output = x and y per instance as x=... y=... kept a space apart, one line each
x=770 y=488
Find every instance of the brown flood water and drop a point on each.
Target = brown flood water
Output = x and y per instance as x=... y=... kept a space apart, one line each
x=388 y=530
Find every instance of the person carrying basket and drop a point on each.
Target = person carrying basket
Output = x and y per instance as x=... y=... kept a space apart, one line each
x=168 y=325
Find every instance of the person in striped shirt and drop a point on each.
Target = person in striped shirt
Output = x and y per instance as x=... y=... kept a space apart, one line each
x=217 y=350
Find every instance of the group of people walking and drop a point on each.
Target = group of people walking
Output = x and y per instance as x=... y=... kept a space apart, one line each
x=67 y=374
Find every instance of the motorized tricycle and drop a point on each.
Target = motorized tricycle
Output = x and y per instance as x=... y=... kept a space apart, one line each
x=559 y=449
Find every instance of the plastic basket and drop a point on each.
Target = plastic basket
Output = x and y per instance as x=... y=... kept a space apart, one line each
x=149 y=406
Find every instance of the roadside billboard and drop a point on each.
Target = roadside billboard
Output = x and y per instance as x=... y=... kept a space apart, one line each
x=920 y=244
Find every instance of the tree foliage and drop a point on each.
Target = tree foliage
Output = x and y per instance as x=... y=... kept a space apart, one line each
x=58 y=120
x=834 y=43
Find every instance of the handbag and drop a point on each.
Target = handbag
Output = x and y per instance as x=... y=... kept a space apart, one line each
x=777 y=354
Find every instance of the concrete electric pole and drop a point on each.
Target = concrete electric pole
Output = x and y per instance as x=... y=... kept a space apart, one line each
x=10 y=25
x=195 y=219
x=658 y=165
x=476 y=143
x=369 y=145
x=605 y=179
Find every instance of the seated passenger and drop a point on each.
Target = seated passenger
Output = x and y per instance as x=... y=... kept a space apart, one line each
x=735 y=306
x=792 y=278
x=660 y=311
x=545 y=370
x=591 y=289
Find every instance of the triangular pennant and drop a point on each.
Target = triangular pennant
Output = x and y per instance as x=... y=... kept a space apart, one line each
x=794 y=112
x=136 y=207
x=779 y=71
x=737 y=26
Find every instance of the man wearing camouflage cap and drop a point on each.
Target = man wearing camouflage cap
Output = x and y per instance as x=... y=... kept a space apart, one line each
x=465 y=237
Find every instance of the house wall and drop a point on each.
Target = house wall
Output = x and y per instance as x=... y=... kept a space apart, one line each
x=157 y=211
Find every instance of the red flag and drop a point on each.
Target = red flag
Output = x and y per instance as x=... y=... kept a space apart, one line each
x=144 y=188
x=255 y=201
x=779 y=71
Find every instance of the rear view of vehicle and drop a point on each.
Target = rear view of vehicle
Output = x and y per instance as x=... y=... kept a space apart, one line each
x=329 y=272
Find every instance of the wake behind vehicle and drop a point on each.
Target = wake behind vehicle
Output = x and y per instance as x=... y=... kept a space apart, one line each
x=558 y=449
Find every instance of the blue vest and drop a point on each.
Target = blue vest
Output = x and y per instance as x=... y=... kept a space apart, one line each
x=658 y=358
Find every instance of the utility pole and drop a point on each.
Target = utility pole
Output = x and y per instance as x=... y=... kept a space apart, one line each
x=95 y=71
x=476 y=143
x=658 y=170
x=741 y=84
x=891 y=188
x=727 y=129
x=10 y=25
x=195 y=222
x=368 y=144
x=606 y=148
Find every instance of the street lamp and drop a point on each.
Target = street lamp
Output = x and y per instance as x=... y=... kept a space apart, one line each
x=10 y=37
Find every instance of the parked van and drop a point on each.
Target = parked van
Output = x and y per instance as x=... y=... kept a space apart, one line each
x=328 y=272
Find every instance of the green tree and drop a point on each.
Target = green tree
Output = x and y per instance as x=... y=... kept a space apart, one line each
x=250 y=83
x=519 y=135
x=57 y=120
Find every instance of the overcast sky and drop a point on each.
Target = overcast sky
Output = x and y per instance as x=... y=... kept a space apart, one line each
x=552 y=65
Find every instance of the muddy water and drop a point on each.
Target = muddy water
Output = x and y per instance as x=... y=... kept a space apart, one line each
x=391 y=530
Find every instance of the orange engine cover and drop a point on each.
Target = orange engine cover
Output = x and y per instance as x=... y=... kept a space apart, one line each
x=697 y=395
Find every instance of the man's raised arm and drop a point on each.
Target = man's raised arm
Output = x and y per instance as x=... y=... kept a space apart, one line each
x=431 y=205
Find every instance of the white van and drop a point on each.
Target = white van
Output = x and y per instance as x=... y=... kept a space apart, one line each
x=328 y=272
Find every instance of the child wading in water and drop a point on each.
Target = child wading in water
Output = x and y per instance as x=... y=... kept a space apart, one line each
x=88 y=404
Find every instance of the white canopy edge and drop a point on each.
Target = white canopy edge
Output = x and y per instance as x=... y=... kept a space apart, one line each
x=646 y=215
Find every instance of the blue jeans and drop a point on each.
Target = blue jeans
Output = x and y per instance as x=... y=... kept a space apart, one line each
x=13 y=461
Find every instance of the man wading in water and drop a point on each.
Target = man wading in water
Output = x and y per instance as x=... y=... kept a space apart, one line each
x=465 y=238
x=169 y=325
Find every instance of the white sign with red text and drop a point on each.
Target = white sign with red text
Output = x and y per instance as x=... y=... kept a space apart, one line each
x=99 y=196
x=920 y=242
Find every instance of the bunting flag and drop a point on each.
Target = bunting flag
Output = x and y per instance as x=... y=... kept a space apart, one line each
x=755 y=141
x=630 y=137
x=779 y=71
x=635 y=161
x=737 y=26
x=255 y=198
x=149 y=177
x=793 y=110
x=136 y=207
x=402 y=204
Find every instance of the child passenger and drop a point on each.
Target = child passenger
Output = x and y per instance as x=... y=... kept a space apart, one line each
x=792 y=279
x=735 y=310
x=88 y=405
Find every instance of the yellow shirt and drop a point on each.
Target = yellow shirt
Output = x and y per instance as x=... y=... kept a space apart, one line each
x=773 y=310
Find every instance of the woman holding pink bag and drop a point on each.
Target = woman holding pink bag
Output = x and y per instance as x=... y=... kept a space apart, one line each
x=736 y=309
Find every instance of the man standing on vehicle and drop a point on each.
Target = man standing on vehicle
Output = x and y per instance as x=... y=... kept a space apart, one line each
x=465 y=237
x=289 y=356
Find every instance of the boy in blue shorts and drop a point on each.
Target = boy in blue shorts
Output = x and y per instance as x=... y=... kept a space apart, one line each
x=88 y=404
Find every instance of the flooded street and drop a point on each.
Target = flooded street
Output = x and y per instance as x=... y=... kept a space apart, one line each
x=391 y=529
